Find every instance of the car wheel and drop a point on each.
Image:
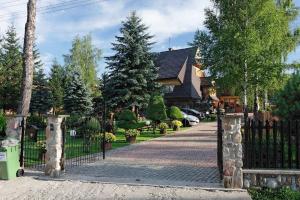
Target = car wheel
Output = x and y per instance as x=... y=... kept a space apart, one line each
x=185 y=123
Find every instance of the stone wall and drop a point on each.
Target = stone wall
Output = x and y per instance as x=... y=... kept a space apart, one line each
x=232 y=152
x=54 y=146
x=271 y=178
x=14 y=129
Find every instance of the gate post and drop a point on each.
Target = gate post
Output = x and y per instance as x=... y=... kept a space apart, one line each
x=232 y=152
x=54 y=146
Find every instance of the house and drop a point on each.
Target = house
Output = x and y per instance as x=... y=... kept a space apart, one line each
x=181 y=75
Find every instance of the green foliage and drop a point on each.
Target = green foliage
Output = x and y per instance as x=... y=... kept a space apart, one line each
x=74 y=121
x=176 y=123
x=92 y=125
x=41 y=99
x=163 y=125
x=38 y=121
x=132 y=76
x=77 y=97
x=248 y=41
x=84 y=55
x=156 y=110
x=109 y=137
x=10 y=70
x=2 y=122
x=288 y=99
x=132 y=132
x=128 y=120
x=127 y=115
x=175 y=113
x=56 y=84
x=211 y=118
x=278 y=194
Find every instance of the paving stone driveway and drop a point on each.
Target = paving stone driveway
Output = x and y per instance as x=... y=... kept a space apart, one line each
x=187 y=158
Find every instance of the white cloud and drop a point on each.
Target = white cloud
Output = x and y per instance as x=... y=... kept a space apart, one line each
x=170 y=19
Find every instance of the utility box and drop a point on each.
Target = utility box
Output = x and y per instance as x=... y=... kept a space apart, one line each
x=9 y=162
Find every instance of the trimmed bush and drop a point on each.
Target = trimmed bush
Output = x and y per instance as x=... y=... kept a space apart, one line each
x=156 y=110
x=128 y=120
x=93 y=125
x=175 y=113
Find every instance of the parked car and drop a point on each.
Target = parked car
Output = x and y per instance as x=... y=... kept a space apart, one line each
x=194 y=112
x=189 y=120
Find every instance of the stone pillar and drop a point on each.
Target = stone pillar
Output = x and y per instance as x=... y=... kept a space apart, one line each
x=54 y=146
x=14 y=129
x=232 y=152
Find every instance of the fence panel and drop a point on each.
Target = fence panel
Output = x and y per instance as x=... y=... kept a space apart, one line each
x=33 y=146
x=271 y=144
x=81 y=147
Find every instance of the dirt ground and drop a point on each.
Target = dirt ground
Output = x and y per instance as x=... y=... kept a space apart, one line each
x=30 y=188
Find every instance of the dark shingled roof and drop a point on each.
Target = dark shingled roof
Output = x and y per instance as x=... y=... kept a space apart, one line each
x=178 y=64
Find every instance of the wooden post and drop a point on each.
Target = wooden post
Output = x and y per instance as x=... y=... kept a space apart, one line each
x=28 y=60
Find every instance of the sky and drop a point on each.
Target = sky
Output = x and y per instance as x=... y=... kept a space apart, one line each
x=172 y=22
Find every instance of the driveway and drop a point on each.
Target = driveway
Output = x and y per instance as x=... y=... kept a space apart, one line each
x=178 y=166
x=186 y=158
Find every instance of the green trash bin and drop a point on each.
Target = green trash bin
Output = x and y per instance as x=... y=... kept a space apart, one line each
x=9 y=162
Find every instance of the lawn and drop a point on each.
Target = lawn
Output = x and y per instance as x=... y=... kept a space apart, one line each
x=78 y=146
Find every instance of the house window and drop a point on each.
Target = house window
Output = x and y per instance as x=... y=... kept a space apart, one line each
x=168 y=89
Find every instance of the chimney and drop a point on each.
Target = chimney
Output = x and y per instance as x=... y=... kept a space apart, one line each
x=170 y=49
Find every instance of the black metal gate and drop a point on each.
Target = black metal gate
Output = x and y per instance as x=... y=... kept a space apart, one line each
x=33 y=146
x=80 y=147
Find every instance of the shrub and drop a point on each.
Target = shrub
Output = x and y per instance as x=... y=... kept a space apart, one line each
x=128 y=120
x=93 y=125
x=156 y=110
x=37 y=121
x=74 y=121
x=132 y=132
x=2 y=123
x=175 y=113
x=163 y=126
x=109 y=137
x=177 y=123
x=278 y=194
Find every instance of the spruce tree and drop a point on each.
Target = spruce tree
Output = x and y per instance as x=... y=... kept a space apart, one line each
x=77 y=97
x=288 y=99
x=56 y=83
x=10 y=71
x=41 y=99
x=132 y=72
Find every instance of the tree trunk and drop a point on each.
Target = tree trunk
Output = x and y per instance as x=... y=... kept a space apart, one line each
x=266 y=101
x=245 y=87
x=28 y=60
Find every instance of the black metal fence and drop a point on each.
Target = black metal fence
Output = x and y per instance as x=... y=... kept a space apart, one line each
x=220 y=144
x=271 y=144
x=81 y=147
x=33 y=146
